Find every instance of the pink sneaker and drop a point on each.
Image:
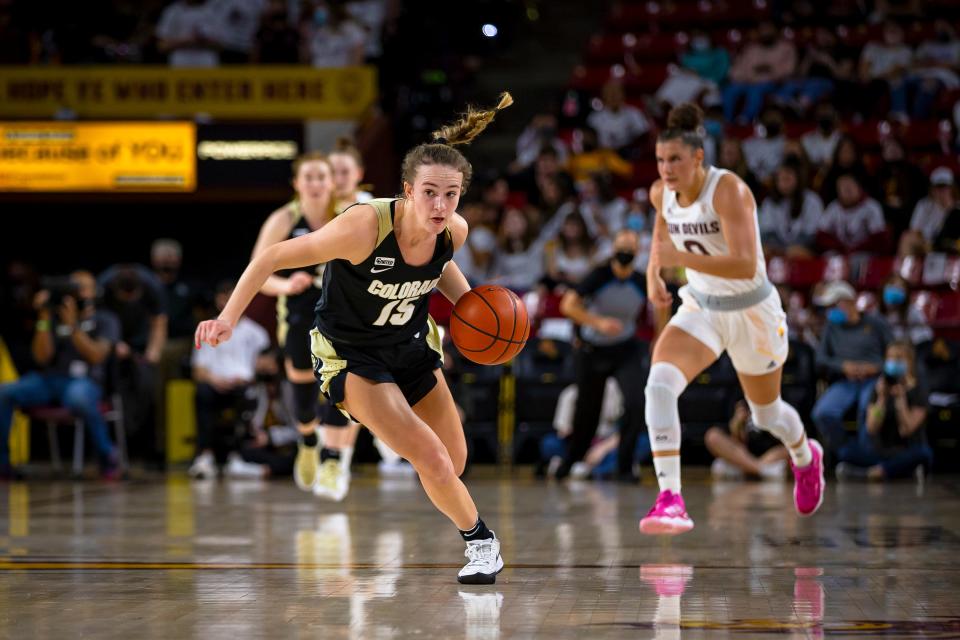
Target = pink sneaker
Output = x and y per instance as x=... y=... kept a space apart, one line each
x=667 y=517
x=809 y=482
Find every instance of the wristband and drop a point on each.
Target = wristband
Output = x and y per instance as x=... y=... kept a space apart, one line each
x=43 y=325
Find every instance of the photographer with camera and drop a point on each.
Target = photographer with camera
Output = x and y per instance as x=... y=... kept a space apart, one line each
x=893 y=443
x=71 y=342
x=136 y=296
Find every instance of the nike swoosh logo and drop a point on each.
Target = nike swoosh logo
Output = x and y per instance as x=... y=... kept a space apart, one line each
x=375 y=270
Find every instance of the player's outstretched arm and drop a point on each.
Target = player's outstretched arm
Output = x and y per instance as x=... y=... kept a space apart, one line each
x=350 y=237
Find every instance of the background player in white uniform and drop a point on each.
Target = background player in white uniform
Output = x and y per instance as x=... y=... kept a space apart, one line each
x=707 y=223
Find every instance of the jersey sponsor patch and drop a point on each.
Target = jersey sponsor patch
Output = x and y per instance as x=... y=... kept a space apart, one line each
x=382 y=264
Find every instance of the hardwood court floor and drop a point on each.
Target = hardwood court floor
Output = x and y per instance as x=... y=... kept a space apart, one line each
x=233 y=559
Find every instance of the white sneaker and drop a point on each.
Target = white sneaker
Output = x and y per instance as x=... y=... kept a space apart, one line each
x=305 y=466
x=203 y=467
x=485 y=562
x=723 y=470
x=774 y=470
x=333 y=481
x=580 y=471
x=237 y=467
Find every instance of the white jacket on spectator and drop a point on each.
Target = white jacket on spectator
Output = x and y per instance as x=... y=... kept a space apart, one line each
x=855 y=225
x=236 y=358
x=776 y=223
x=337 y=48
x=818 y=147
x=928 y=218
x=610 y=412
x=181 y=21
x=764 y=155
x=616 y=129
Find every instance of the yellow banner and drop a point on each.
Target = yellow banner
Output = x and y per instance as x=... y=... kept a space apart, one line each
x=264 y=92
x=98 y=156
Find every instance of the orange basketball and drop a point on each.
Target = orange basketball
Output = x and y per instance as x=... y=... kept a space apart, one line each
x=489 y=324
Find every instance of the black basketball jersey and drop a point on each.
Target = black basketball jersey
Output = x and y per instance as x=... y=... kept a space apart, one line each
x=301 y=305
x=381 y=301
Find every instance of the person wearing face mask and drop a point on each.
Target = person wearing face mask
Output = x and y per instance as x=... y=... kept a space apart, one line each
x=907 y=321
x=703 y=67
x=606 y=305
x=820 y=143
x=759 y=69
x=851 y=354
x=71 y=343
x=892 y=442
x=764 y=151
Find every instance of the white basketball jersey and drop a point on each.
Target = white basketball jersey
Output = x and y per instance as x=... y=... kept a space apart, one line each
x=696 y=229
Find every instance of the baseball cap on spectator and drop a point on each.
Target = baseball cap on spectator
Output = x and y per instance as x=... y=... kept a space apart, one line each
x=834 y=293
x=941 y=176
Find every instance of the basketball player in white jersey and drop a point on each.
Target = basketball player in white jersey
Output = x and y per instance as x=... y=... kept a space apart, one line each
x=707 y=224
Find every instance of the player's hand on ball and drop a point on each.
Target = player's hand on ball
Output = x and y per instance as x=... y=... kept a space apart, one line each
x=213 y=332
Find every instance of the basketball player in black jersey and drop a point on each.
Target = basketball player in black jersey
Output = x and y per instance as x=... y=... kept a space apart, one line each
x=376 y=350
x=298 y=292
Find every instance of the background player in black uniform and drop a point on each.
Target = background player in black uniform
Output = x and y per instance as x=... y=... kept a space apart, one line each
x=297 y=292
x=377 y=351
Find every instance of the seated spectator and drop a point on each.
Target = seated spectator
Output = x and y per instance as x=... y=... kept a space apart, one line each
x=847 y=158
x=931 y=214
x=71 y=343
x=900 y=183
x=593 y=159
x=600 y=460
x=703 y=67
x=741 y=449
x=826 y=68
x=188 y=32
x=333 y=38
x=820 y=143
x=934 y=69
x=884 y=66
x=602 y=209
x=853 y=222
x=570 y=257
x=790 y=216
x=538 y=138
x=224 y=377
x=851 y=354
x=906 y=321
x=476 y=257
x=732 y=159
x=618 y=125
x=238 y=21
x=893 y=440
x=277 y=41
x=532 y=180
x=757 y=71
x=764 y=151
x=518 y=263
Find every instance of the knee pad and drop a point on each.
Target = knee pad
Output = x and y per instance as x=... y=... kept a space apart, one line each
x=779 y=419
x=305 y=397
x=664 y=385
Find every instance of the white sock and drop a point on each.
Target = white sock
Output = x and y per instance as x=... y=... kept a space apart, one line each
x=346 y=456
x=668 y=472
x=664 y=385
x=784 y=423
